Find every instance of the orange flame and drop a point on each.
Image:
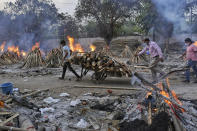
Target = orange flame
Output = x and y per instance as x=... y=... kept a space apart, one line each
x=23 y=53
x=195 y=43
x=37 y=45
x=166 y=95
x=73 y=47
x=176 y=98
x=71 y=43
x=92 y=47
x=14 y=49
x=78 y=48
x=2 y=46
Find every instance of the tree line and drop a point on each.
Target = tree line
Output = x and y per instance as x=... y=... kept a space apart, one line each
x=35 y=20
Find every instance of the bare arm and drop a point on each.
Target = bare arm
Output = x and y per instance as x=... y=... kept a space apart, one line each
x=142 y=52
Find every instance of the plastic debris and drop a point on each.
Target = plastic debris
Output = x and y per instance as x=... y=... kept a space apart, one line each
x=76 y=102
x=64 y=95
x=82 y=124
x=50 y=100
x=44 y=110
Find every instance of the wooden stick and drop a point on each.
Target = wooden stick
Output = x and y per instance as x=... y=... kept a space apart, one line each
x=11 y=128
x=5 y=113
x=100 y=87
x=149 y=113
x=27 y=95
x=9 y=119
x=177 y=123
x=34 y=93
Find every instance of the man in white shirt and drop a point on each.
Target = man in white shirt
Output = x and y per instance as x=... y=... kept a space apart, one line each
x=66 y=56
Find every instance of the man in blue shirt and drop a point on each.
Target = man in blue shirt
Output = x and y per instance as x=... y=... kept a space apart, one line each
x=66 y=56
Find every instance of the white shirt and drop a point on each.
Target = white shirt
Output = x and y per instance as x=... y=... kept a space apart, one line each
x=67 y=49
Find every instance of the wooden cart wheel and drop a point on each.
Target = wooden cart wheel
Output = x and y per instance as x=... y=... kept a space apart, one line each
x=100 y=76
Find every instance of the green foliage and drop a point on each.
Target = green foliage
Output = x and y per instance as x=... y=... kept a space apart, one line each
x=67 y=26
x=91 y=29
x=108 y=14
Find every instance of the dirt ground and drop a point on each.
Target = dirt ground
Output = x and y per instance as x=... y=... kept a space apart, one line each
x=22 y=79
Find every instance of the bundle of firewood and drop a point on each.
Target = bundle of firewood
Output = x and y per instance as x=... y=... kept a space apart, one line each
x=101 y=63
x=136 y=59
x=8 y=58
x=54 y=58
x=34 y=59
x=127 y=53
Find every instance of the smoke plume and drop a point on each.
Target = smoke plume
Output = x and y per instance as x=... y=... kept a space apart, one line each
x=173 y=11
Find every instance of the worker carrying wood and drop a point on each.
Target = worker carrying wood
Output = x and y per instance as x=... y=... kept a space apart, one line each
x=66 y=57
x=191 y=57
x=156 y=57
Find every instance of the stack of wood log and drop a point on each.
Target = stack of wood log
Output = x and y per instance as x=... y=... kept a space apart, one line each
x=101 y=64
x=132 y=54
x=107 y=51
x=137 y=59
x=54 y=58
x=34 y=59
x=127 y=53
x=8 y=58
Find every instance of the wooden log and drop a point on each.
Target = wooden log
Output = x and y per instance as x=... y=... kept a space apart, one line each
x=8 y=128
x=5 y=113
x=26 y=123
x=149 y=113
x=34 y=93
x=28 y=95
x=177 y=123
x=100 y=87
x=9 y=119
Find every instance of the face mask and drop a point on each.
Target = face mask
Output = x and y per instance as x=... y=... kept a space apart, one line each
x=144 y=44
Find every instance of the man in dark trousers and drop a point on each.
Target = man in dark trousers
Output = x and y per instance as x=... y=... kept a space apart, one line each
x=156 y=57
x=191 y=56
x=66 y=56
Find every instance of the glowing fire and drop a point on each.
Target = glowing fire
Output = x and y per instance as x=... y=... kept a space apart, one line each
x=92 y=47
x=23 y=53
x=14 y=49
x=77 y=47
x=74 y=47
x=195 y=43
x=71 y=43
x=164 y=93
x=2 y=47
x=37 y=45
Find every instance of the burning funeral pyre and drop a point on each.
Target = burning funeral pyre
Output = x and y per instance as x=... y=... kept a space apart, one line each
x=34 y=58
x=10 y=56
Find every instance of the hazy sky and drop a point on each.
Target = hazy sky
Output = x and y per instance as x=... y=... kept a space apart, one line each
x=62 y=5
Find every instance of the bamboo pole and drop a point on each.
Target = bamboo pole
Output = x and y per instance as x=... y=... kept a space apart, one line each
x=100 y=87
x=9 y=119
x=149 y=113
